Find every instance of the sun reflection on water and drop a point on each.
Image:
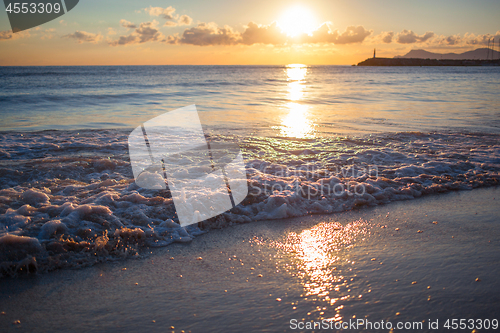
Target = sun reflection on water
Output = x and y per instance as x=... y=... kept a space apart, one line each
x=296 y=72
x=297 y=122
x=295 y=91
x=322 y=268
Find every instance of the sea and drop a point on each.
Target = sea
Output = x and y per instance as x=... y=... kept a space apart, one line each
x=314 y=140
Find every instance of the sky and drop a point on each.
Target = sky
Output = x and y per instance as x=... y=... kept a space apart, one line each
x=259 y=32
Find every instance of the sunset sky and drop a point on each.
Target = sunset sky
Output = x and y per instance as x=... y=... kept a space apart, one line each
x=125 y=32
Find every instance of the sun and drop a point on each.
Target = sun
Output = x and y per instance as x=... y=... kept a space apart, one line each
x=297 y=20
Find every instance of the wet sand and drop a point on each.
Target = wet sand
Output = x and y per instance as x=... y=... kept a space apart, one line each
x=433 y=258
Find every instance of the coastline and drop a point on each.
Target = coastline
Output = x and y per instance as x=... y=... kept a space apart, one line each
x=214 y=293
x=81 y=206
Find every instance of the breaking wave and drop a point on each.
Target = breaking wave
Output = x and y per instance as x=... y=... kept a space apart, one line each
x=68 y=198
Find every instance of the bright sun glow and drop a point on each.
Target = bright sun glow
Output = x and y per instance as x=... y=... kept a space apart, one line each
x=296 y=123
x=296 y=21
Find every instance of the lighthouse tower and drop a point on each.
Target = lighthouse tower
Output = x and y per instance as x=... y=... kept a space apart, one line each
x=373 y=53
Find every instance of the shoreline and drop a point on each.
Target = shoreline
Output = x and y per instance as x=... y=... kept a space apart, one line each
x=214 y=292
x=82 y=206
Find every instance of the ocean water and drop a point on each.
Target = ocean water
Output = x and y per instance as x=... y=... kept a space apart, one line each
x=315 y=140
x=269 y=100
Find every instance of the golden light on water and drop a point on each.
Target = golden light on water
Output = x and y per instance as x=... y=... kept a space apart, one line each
x=296 y=72
x=322 y=266
x=297 y=122
x=295 y=91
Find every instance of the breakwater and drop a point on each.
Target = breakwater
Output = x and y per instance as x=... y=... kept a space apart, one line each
x=427 y=62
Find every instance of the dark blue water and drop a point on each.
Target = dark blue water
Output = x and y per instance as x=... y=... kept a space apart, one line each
x=293 y=101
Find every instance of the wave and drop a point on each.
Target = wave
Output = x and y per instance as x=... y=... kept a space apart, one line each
x=68 y=198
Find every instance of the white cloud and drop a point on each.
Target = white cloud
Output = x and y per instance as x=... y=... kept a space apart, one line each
x=166 y=13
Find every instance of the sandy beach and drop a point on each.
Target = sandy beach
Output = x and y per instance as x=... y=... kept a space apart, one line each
x=273 y=166
x=434 y=258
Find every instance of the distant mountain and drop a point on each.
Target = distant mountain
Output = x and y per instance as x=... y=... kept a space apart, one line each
x=475 y=54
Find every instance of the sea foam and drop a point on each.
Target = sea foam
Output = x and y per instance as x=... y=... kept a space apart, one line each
x=68 y=198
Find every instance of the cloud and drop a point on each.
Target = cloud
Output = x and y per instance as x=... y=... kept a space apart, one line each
x=8 y=35
x=409 y=37
x=472 y=39
x=181 y=20
x=146 y=32
x=351 y=35
x=184 y=20
x=387 y=37
x=210 y=34
x=458 y=42
x=323 y=35
x=172 y=39
x=263 y=34
x=62 y=22
x=173 y=20
x=166 y=13
x=207 y=34
x=453 y=40
x=84 y=37
x=125 y=40
x=434 y=41
x=127 y=24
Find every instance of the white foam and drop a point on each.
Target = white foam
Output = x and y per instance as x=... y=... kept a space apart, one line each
x=77 y=196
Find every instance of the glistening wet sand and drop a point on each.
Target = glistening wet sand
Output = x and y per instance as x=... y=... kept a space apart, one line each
x=388 y=263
